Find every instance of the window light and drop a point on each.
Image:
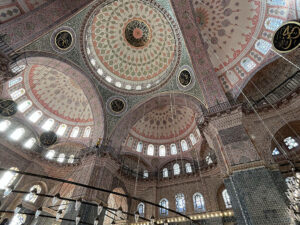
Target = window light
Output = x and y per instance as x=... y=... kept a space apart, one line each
x=4 y=125
x=61 y=130
x=17 y=94
x=71 y=159
x=8 y=178
x=150 y=150
x=24 y=106
x=29 y=143
x=14 y=81
x=34 y=117
x=61 y=158
x=50 y=154
x=75 y=132
x=87 y=132
x=17 y=134
x=48 y=124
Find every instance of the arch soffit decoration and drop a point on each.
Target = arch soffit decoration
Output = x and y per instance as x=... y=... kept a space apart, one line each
x=82 y=79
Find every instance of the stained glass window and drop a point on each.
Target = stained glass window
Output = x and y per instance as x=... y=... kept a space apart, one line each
x=71 y=159
x=276 y=151
x=17 y=94
x=272 y=23
x=290 y=142
x=61 y=158
x=24 y=106
x=14 y=81
x=4 y=125
x=188 y=168
x=277 y=2
x=8 y=178
x=162 y=150
x=164 y=203
x=61 y=129
x=193 y=139
x=176 y=169
x=150 y=150
x=75 y=132
x=184 y=145
x=173 y=149
x=139 y=147
x=146 y=174
x=226 y=199
x=180 y=202
x=48 y=124
x=32 y=197
x=141 y=209
x=248 y=64
x=208 y=160
x=34 y=117
x=165 y=172
x=198 y=200
x=29 y=143
x=17 y=134
x=263 y=46
x=87 y=132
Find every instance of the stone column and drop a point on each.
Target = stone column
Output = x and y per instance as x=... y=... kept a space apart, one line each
x=256 y=192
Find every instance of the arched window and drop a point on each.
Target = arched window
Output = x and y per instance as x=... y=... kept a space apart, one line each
x=8 y=178
x=193 y=139
x=17 y=134
x=75 y=132
x=263 y=46
x=208 y=160
x=50 y=154
x=272 y=23
x=24 y=106
x=61 y=129
x=29 y=143
x=4 y=125
x=146 y=174
x=165 y=172
x=290 y=142
x=173 y=149
x=141 y=209
x=198 y=200
x=180 y=202
x=71 y=159
x=48 y=124
x=188 y=168
x=61 y=158
x=277 y=2
x=139 y=147
x=18 y=219
x=164 y=203
x=14 y=81
x=248 y=64
x=34 y=117
x=275 y=152
x=17 y=94
x=87 y=132
x=162 y=150
x=150 y=150
x=32 y=196
x=176 y=169
x=15 y=68
x=184 y=145
x=226 y=199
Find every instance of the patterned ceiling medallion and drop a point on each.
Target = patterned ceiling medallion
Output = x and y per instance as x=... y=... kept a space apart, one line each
x=185 y=78
x=63 y=39
x=7 y=107
x=116 y=105
x=48 y=138
x=133 y=46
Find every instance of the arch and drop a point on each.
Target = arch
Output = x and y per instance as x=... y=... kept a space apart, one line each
x=226 y=199
x=139 y=147
x=180 y=202
x=193 y=139
x=188 y=168
x=176 y=169
x=165 y=172
x=150 y=150
x=198 y=200
x=162 y=150
x=32 y=196
x=184 y=145
x=82 y=79
x=141 y=209
x=164 y=203
x=173 y=149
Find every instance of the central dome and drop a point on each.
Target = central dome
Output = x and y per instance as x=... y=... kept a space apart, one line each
x=131 y=45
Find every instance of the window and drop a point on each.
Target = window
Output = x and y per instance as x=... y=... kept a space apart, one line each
x=290 y=142
x=24 y=106
x=15 y=68
x=48 y=124
x=164 y=203
x=198 y=200
x=74 y=132
x=17 y=94
x=188 y=168
x=14 y=81
x=17 y=134
x=87 y=132
x=162 y=150
x=248 y=64
x=50 y=154
x=146 y=174
x=71 y=159
x=165 y=172
x=61 y=158
x=275 y=152
x=8 y=178
x=32 y=197
x=61 y=129
x=29 y=143
x=193 y=139
x=150 y=150
x=34 y=117
x=139 y=147
x=277 y=2
x=4 y=125
x=173 y=149
x=180 y=202
x=208 y=160
x=263 y=46
x=184 y=145
x=226 y=199
x=18 y=219
x=176 y=169
x=141 y=209
x=273 y=23
x=63 y=206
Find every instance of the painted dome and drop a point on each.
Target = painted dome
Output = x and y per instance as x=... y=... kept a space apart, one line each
x=131 y=45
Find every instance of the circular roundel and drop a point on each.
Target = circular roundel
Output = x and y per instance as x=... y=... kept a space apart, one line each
x=63 y=39
x=116 y=105
x=48 y=138
x=185 y=78
x=131 y=45
x=8 y=107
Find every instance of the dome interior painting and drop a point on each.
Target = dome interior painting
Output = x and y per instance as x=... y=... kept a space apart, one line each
x=149 y=112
